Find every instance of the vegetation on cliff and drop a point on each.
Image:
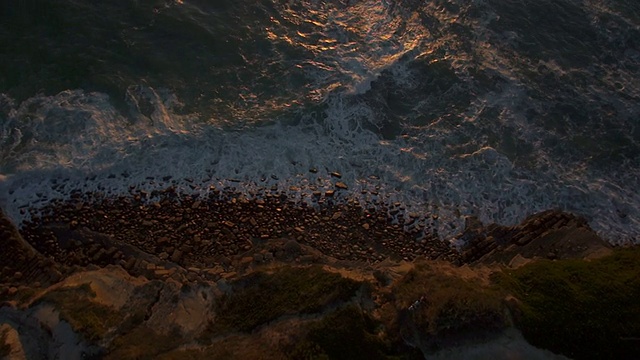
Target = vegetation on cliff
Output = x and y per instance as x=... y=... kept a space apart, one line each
x=348 y=333
x=435 y=309
x=85 y=316
x=262 y=297
x=582 y=309
x=310 y=305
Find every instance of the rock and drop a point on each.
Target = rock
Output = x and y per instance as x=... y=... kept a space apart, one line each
x=225 y=261
x=161 y=272
x=341 y=185
x=229 y=224
x=329 y=193
x=336 y=174
x=130 y=263
x=12 y=291
x=228 y=275
x=176 y=256
x=258 y=258
x=96 y=257
x=336 y=215
x=365 y=226
x=518 y=261
x=292 y=247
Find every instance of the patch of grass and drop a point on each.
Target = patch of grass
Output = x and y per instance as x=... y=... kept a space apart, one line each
x=582 y=309
x=347 y=333
x=441 y=308
x=89 y=318
x=5 y=349
x=143 y=343
x=233 y=347
x=261 y=297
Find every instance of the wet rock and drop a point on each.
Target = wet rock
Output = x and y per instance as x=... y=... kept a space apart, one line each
x=341 y=185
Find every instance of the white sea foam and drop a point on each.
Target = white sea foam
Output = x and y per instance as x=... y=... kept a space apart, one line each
x=75 y=140
x=51 y=145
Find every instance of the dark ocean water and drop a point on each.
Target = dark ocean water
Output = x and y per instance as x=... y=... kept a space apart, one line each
x=490 y=108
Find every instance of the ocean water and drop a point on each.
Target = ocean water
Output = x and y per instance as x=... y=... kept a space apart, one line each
x=455 y=108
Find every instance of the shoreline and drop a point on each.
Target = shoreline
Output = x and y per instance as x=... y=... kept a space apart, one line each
x=155 y=233
x=199 y=231
x=201 y=256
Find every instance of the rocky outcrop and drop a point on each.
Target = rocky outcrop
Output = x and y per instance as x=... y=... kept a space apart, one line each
x=550 y=234
x=20 y=263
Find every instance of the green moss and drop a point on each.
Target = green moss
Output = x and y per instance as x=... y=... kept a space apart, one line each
x=87 y=317
x=261 y=297
x=582 y=309
x=143 y=343
x=449 y=306
x=347 y=333
x=233 y=347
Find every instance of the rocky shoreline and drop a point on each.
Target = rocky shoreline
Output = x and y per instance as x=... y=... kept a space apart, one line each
x=195 y=232
x=189 y=254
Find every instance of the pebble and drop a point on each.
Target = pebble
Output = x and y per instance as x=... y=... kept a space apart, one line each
x=341 y=185
x=176 y=256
